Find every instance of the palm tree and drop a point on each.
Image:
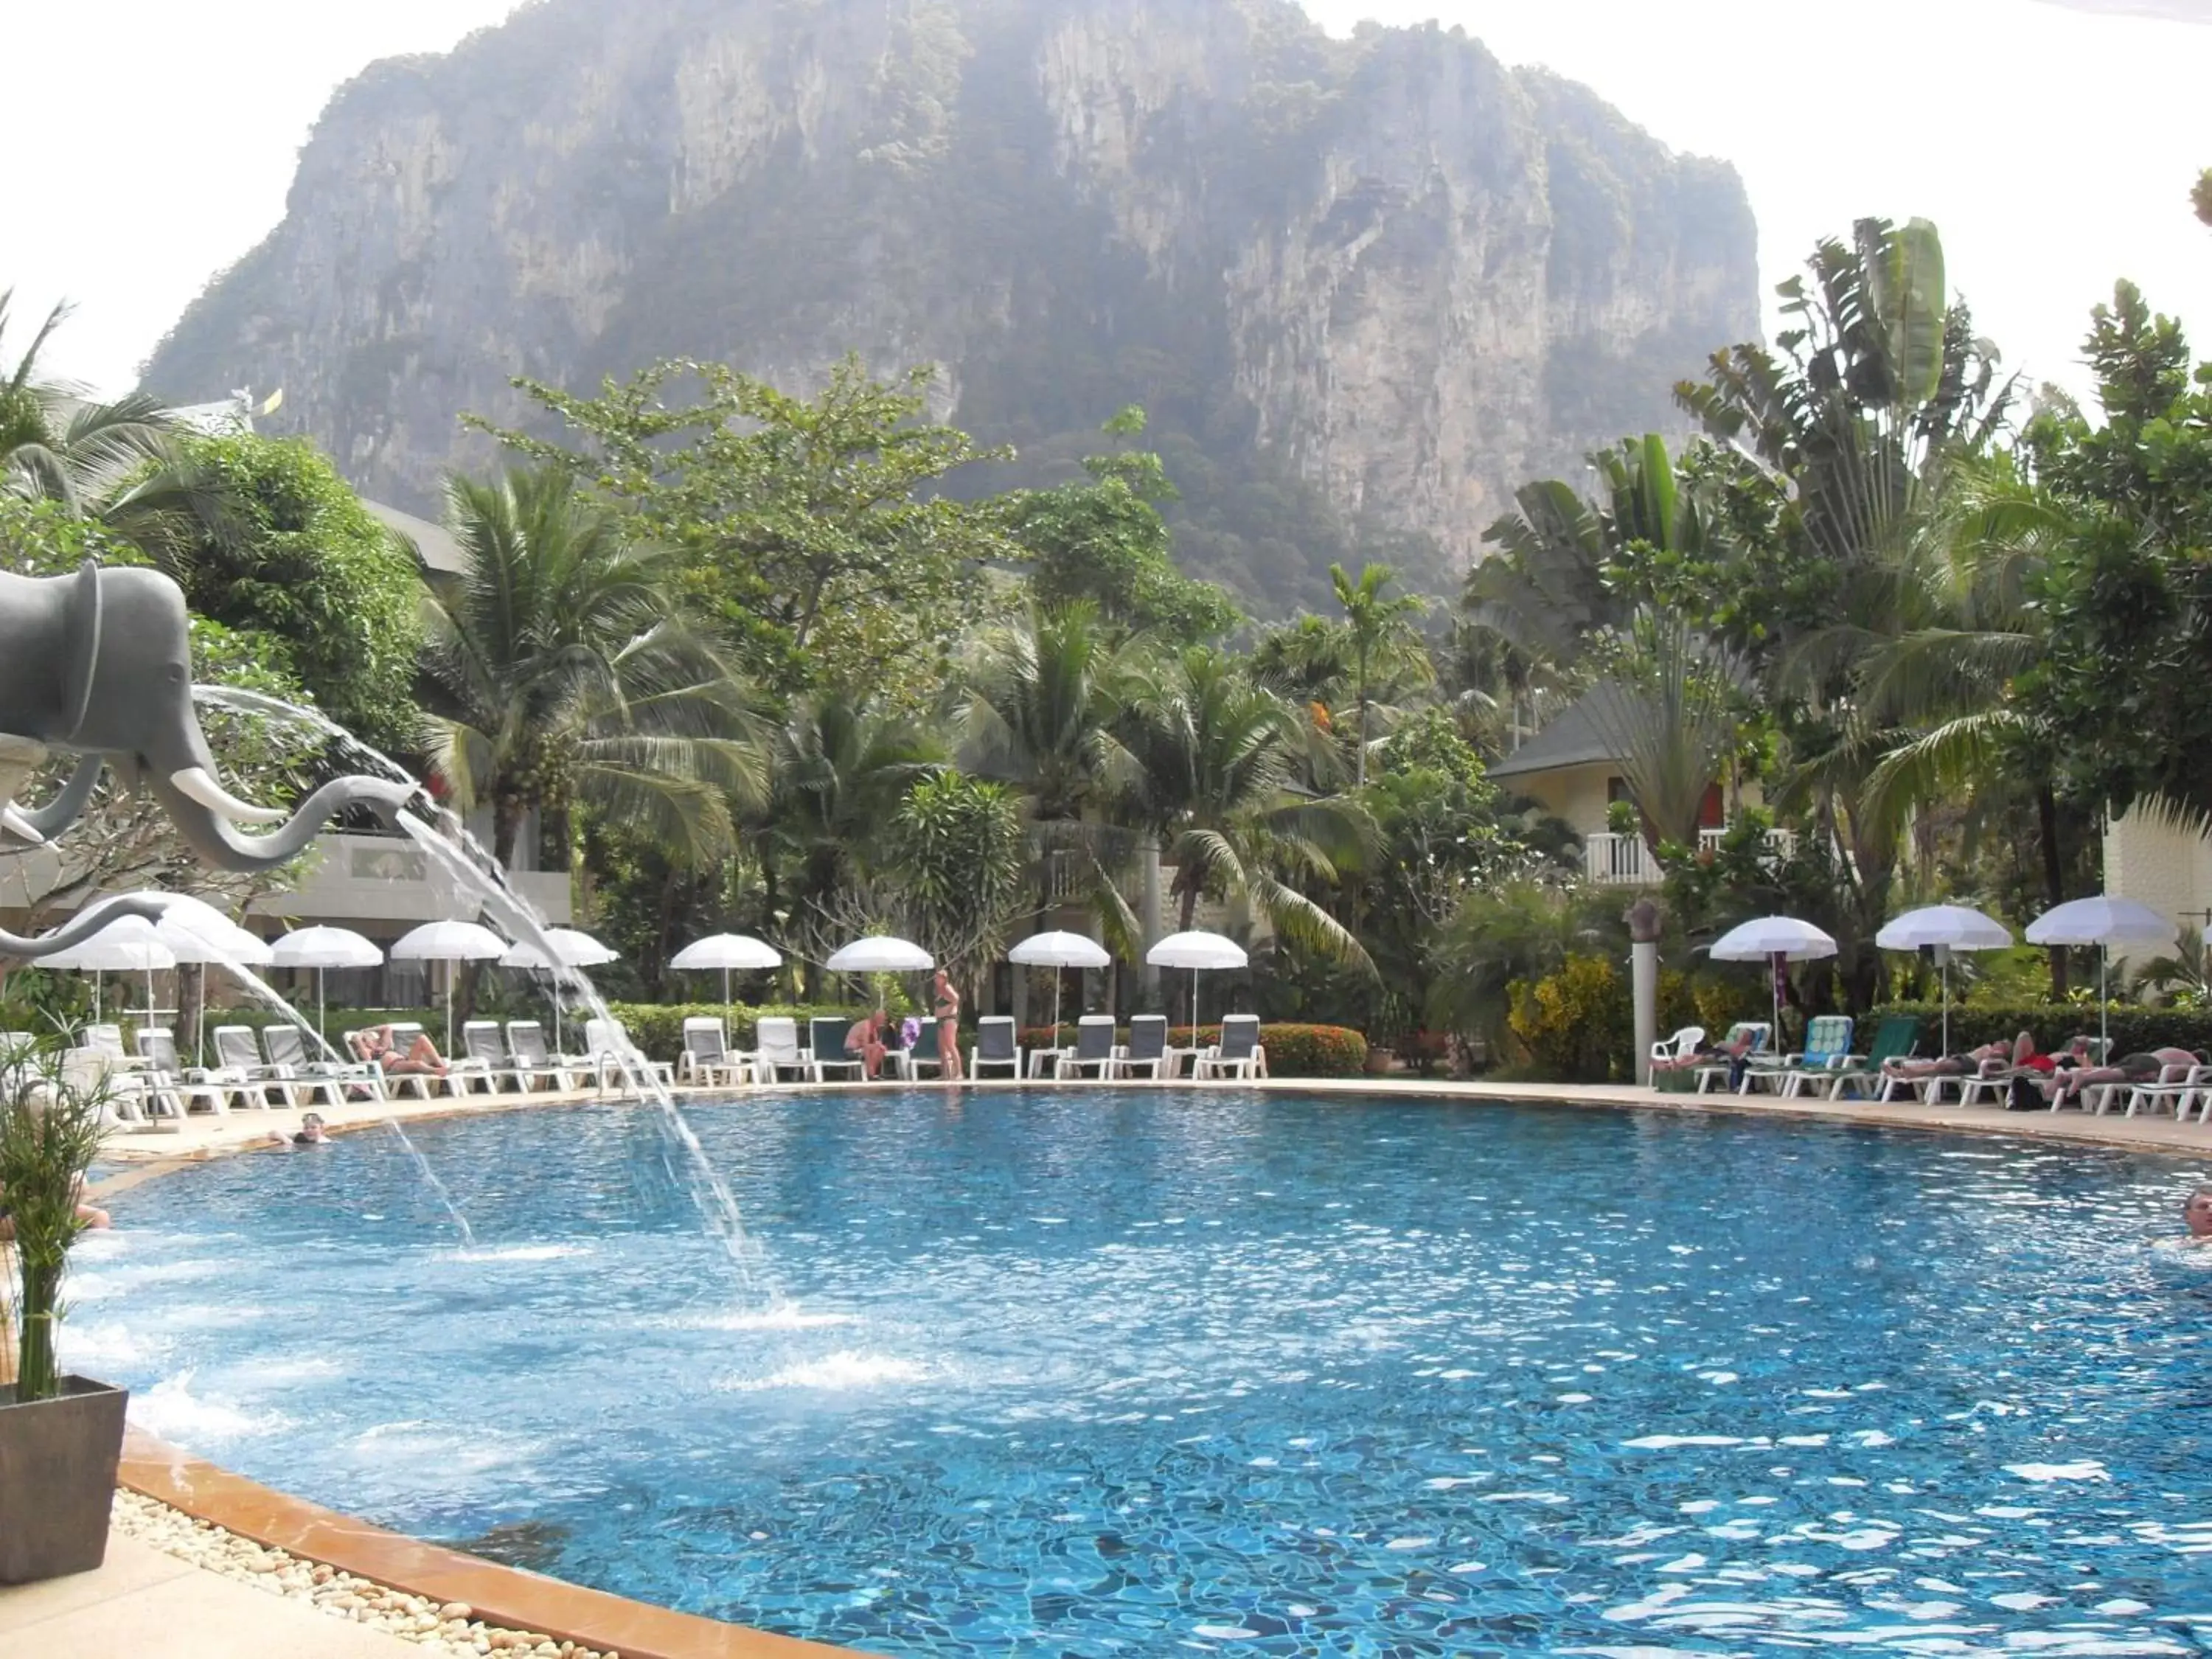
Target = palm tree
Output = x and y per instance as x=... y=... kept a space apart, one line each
x=841 y=768
x=117 y=464
x=1383 y=640
x=1044 y=695
x=557 y=670
x=1214 y=755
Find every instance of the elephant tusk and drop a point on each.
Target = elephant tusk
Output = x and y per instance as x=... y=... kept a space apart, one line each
x=197 y=783
x=17 y=824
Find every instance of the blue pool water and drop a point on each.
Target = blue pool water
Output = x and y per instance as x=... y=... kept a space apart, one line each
x=1098 y=1373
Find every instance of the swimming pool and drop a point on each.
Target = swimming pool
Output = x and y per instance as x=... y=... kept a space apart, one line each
x=1107 y=1372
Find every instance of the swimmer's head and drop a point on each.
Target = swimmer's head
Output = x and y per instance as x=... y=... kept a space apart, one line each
x=2197 y=1212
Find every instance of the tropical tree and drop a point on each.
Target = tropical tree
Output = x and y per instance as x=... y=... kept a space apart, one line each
x=1381 y=640
x=1214 y=762
x=841 y=766
x=558 y=671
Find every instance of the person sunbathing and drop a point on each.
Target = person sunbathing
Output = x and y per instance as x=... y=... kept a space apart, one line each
x=2000 y=1053
x=419 y=1058
x=1733 y=1046
x=2070 y=1083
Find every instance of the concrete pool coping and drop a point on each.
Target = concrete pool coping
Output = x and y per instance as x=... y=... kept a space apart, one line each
x=636 y=1629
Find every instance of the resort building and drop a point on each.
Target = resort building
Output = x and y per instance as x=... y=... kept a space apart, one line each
x=1572 y=768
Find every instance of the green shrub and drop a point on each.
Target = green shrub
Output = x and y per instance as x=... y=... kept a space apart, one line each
x=1576 y=1025
x=2134 y=1029
x=1313 y=1050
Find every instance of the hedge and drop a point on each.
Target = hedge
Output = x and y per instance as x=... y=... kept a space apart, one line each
x=2134 y=1029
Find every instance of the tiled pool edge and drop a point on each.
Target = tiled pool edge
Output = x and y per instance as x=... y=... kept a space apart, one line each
x=502 y=1595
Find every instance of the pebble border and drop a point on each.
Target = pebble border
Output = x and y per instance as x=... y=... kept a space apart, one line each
x=450 y=1631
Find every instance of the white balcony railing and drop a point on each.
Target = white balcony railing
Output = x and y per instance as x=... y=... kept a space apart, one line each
x=1619 y=861
x=1614 y=860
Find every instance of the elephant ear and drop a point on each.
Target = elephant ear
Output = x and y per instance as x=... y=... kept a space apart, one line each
x=81 y=647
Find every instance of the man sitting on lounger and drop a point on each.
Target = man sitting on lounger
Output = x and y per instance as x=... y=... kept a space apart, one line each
x=866 y=1042
x=1734 y=1046
x=419 y=1058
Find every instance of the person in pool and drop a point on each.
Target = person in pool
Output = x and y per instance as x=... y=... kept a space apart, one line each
x=2196 y=1214
x=309 y=1133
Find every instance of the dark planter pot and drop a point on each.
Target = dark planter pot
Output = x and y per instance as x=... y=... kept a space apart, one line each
x=58 y=1460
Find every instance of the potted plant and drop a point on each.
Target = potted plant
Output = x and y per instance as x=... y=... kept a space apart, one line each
x=61 y=1436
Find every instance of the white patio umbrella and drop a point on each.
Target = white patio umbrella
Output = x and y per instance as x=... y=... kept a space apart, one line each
x=1197 y=952
x=572 y=949
x=2102 y=921
x=1946 y=929
x=1769 y=938
x=321 y=949
x=129 y=945
x=197 y=934
x=449 y=942
x=883 y=955
x=1057 y=951
x=731 y=952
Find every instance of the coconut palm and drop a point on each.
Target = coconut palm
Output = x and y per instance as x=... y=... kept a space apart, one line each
x=1214 y=755
x=557 y=670
x=117 y=464
x=841 y=766
x=1382 y=641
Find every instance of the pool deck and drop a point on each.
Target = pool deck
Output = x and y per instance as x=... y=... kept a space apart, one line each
x=143 y=1602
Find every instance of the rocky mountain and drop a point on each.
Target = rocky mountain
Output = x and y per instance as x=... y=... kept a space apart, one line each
x=1365 y=288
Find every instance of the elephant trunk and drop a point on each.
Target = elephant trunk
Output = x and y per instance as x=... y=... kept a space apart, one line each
x=64 y=809
x=211 y=836
x=79 y=927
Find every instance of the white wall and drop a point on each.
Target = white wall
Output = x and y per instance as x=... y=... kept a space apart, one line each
x=2155 y=864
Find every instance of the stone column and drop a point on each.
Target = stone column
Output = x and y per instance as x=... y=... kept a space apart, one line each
x=1148 y=923
x=1643 y=919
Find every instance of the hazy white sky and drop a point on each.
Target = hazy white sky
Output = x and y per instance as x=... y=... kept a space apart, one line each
x=2054 y=144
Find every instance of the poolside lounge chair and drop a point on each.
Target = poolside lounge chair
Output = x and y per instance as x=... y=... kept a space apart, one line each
x=213 y=1090
x=1826 y=1056
x=239 y=1054
x=2179 y=1083
x=525 y=1041
x=909 y=1062
x=487 y=1062
x=1148 y=1047
x=707 y=1058
x=776 y=1050
x=1762 y=1037
x=133 y=1099
x=1895 y=1038
x=1094 y=1048
x=1239 y=1053
x=611 y=1053
x=316 y=1078
x=1672 y=1051
x=825 y=1038
x=995 y=1045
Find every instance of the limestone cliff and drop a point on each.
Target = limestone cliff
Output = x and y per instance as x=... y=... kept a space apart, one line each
x=1365 y=288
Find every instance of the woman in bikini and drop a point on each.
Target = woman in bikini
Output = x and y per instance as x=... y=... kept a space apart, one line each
x=947 y=1002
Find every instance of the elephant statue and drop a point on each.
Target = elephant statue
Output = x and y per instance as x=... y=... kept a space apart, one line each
x=99 y=665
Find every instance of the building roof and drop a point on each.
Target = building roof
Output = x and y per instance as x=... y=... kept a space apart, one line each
x=1575 y=738
x=436 y=544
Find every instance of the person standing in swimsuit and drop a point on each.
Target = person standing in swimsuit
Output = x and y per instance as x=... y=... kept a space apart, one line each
x=947 y=1003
